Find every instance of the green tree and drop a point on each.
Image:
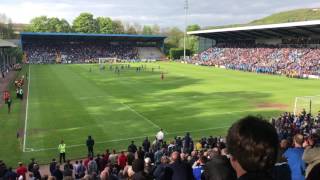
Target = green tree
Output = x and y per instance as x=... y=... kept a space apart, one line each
x=131 y=30
x=155 y=29
x=63 y=26
x=174 y=36
x=85 y=23
x=52 y=24
x=147 y=30
x=193 y=27
x=105 y=25
x=117 y=27
x=45 y=24
x=38 y=24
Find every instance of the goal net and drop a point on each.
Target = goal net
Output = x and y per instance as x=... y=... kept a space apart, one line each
x=107 y=60
x=311 y=104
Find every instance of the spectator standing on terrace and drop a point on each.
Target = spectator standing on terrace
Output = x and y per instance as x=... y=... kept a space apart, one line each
x=62 y=151
x=160 y=136
x=178 y=169
x=9 y=102
x=80 y=170
x=253 y=147
x=90 y=144
x=294 y=157
x=92 y=167
x=22 y=170
x=198 y=167
x=53 y=166
x=311 y=156
x=122 y=160
x=31 y=164
x=58 y=173
x=146 y=145
x=10 y=175
x=187 y=143
x=132 y=147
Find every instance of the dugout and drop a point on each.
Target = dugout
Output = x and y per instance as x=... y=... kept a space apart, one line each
x=293 y=33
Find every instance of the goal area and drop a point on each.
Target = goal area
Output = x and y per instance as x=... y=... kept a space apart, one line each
x=311 y=104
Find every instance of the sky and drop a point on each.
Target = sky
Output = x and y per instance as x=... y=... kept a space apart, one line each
x=166 y=13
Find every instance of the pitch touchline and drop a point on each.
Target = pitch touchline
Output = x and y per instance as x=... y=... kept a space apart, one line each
x=124 y=139
x=26 y=116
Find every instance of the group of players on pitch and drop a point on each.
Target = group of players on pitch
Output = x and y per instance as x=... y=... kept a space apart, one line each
x=118 y=68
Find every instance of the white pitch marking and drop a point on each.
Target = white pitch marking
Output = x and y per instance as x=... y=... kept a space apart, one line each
x=142 y=116
x=26 y=116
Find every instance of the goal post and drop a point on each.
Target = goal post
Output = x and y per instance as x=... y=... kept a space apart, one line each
x=311 y=104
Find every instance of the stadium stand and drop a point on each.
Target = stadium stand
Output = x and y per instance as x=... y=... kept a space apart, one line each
x=150 y=53
x=290 y=49
x=296 y=141
x=6 y=61
x=81 y=48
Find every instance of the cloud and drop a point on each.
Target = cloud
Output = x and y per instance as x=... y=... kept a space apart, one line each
x=163 y=12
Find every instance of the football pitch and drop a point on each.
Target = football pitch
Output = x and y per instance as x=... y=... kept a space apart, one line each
x=70 y=102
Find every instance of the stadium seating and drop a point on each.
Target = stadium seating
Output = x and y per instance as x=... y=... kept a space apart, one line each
x=286 y=59
x=77 y=53
x=148 y=53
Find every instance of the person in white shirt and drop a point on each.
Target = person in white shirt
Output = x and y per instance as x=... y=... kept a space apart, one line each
x=160 y=136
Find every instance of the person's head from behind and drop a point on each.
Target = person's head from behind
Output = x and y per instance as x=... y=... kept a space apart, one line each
x=175 y=156
x=165 y=160
x=284 y=144
x=253 y=145
x=298 y=140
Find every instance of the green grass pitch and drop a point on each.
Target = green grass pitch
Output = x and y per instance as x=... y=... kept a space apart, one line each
x=69 y=102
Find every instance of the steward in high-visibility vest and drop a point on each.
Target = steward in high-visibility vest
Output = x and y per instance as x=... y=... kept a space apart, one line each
x=62 y=151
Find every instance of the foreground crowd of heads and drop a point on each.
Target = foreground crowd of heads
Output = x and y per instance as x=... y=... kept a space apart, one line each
x=287 y=60
x=253 y=149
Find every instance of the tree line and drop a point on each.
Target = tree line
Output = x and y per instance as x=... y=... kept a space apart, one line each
x=7 y=32
x=87 y=23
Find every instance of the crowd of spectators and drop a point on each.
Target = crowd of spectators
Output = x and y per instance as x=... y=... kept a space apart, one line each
x=77 y=52
x=288 y=60
x=287 y=148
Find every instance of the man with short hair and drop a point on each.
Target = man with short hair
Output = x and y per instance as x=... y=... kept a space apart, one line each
x=132 y=147
x=253 y=146
x=62 y=151
x=146 y=145
x=92 y=167
x=90 y=144
x=294 y=157
x=179 y=170
x=52 y=166
x=31 y=164
x=160 y=136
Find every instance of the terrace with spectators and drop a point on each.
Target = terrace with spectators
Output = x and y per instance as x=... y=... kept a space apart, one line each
x=290 y=49
x=80 y=48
